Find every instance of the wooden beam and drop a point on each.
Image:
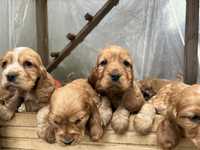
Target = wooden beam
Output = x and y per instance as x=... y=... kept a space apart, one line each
x=42 y=30
x=75 y=40
x=191 y=41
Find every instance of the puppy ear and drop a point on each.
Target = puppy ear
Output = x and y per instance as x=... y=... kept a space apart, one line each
x=93 y=77
x=95 y=127
x=43 y=72
x=133 y=99
x=46 y=86
x=168 y=134
x=50 y=134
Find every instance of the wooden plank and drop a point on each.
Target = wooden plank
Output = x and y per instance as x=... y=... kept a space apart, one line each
x=38 y=144
x=20 y=133
x=42 y=30
x=12 y=149
x=191 y=42
x=109 y=137
x=29 y=120
x=21 y=119
x=131 y=138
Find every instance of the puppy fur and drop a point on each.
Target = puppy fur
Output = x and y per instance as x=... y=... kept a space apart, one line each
x=179 y=103
x=24 y=79
x=157 y=93
x=113 y=79
x=72 y=108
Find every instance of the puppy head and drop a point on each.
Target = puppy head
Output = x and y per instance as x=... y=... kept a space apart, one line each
x=70 y=130
x=113 y=70
x=21 y=68
x=186 y=113
x=71 y=117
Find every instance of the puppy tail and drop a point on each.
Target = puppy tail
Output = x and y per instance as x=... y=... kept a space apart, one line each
x=143 y=121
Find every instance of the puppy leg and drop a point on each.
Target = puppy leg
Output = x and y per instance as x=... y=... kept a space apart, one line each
x=105 y=111
x=7 y=111
x=143 y=121
x=44 y=129
x=133 y=99
x=120 y=120
x=95 y=128
x=168 y=135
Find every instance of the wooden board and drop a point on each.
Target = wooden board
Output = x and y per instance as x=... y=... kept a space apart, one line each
x=20 y=134
x=191 y=41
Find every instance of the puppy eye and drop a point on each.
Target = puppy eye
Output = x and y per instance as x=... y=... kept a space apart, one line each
x=27 y=64
x=195 y=119
x=77 y=121
x=3 y=64
x=103 y=62
x=126 y=63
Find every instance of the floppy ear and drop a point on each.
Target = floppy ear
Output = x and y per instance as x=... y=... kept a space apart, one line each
x=43 y=72
x=93 y=77
x=45 y=129
x=45 y=87
x=168 y=132
x=95 y=127
x=133 y=99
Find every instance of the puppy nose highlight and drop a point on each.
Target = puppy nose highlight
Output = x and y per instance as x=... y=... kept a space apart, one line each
x=11 y=77
x=68 y=141
x=115 y=77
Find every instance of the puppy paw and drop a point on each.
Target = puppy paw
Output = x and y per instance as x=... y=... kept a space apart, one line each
x=96 y=133
x=105 y=115
x=120 y=121
x=5 y=114
x=143 y=121
x=105 y=111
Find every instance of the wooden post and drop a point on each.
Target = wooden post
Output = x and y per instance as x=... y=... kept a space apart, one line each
x=191 y=41
x=42 y=30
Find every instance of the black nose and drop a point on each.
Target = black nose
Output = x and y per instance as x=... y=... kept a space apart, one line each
x=115 y=77
x=11 y=77
x=68 y=141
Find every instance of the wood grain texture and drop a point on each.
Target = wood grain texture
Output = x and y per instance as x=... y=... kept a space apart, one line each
x=42 y=30
x=191 y=41
x=20 y=133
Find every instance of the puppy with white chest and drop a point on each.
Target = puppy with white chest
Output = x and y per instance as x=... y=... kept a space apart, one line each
x=72 y=111
x=24 y=79
x=113 y=79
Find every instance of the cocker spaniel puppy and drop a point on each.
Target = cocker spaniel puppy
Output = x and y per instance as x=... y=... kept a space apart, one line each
x=179 y=103
x=72 y=110
x=24 y=79
x=157 y=93
x=182 y=119
x=113 y=79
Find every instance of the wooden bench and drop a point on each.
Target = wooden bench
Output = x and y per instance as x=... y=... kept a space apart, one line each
x=20 y=134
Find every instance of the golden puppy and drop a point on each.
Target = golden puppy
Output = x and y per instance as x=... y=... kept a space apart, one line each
x=157 y=93
x=71 y=109
x=24 y=79
x=113 y=79
x=182 y=118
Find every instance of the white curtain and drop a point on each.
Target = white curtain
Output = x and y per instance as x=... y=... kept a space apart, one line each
x=152 y=30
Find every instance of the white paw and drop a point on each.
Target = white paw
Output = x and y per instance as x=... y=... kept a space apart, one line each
x=106 y=115
x=120 y=121
x=143 y=121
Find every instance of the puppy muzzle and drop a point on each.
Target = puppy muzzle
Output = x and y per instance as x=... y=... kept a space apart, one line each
x=115 y=75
